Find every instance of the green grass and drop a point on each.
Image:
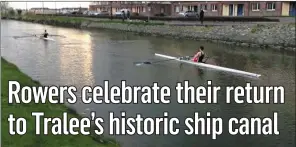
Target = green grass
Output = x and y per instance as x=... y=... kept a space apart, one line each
x=53 y=18
x=79 y=20
x=131 y=22
x=11 y=72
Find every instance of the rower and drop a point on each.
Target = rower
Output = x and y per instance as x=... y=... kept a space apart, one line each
x=198 y=57
x=45 y=34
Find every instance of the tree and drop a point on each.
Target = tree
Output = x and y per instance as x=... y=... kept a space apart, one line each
x=19 y=11
x=11 y=12
x=4 y=6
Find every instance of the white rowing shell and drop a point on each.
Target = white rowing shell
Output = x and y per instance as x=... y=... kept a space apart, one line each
x=211 y=66
x=46 y=38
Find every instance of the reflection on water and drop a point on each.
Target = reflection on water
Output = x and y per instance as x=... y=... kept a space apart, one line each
x=78 y=68
x=90 y=57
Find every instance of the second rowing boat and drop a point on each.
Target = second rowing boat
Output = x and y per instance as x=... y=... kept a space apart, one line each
x=210 y=66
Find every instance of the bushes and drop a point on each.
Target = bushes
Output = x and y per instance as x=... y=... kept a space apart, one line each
x=77 y=21
x=11 y=12
x=135 y=14
x=160 y=14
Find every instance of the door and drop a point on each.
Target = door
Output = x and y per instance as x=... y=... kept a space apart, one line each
x=162 y=10
x=195 y=9
x=230 y=9
x=292 y=11
x=240 y=9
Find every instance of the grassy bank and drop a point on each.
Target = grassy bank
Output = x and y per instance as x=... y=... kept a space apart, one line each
x=278 y=36
x=76 y=21
x=11 y=72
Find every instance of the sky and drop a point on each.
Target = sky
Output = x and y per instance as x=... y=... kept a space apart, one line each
x=22 y=5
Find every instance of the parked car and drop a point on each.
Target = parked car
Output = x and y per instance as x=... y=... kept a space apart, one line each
x=92 y=13
x=119 y=13
x=188 y=14
x=77 y=13
x=66 y=12
x=103 y=13
x=85 y=12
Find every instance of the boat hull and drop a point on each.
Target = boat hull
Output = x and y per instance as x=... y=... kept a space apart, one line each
x=47 y=39
x=211 y=66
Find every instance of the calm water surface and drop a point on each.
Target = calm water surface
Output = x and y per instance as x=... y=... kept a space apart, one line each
x=88 y=57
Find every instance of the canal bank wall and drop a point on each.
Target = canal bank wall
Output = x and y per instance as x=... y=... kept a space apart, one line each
x=279 y=36
x=276 y=36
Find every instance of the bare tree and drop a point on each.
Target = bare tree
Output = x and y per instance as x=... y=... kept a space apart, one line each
x=4 y=6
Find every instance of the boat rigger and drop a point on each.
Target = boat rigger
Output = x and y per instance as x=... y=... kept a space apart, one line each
x=210 y=66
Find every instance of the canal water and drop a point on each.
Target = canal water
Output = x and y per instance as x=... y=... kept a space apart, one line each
x=88 y=57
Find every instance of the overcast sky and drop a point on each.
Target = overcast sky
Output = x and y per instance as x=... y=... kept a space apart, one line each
x=22 y=5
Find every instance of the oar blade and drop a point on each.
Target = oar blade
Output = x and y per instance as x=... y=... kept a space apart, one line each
x=147 y=62
x=142 y=63
x=139 y=64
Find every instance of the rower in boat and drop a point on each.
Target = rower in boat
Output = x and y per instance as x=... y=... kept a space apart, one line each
x=198 y=57
x=45 y=34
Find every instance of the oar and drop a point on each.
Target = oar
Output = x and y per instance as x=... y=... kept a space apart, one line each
x=147 y=62
x=58 y=35
x=54 y=35
x=15 y=37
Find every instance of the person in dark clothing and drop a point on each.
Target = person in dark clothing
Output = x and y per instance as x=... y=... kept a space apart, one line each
x=123 y=15
x=201 y=16
x=45 y=34
x=128 y=14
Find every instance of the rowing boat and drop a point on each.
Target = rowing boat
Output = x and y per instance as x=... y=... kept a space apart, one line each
x=210 y=66
x=50 y=39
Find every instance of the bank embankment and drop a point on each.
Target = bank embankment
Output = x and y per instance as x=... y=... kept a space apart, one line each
x=280 y=36
x=10 y=72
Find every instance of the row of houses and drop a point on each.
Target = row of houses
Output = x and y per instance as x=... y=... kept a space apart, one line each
x=219 y=8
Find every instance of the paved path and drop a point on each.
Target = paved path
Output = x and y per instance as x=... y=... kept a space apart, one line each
x=211 y=23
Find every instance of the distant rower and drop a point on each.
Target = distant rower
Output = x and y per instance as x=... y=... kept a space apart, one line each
x=45 y=34
x=198 y=57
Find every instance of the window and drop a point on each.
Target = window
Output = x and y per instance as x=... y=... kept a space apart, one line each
x=270 y=6
x=214 y=7
x=177 y=9
x=255 y=6
x=184 y=8
x=104 y=3
x=204 y=7
x=161 y=10
x=190 y=8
